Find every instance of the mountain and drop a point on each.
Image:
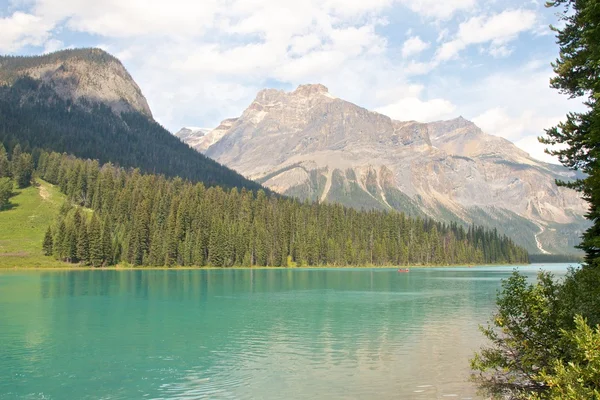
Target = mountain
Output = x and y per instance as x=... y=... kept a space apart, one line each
x=80 y=74
x=312 y=145
x=85 y=103
x=201 y=140
x=192 y=135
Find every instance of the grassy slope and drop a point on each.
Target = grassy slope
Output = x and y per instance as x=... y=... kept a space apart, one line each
x=24 y=223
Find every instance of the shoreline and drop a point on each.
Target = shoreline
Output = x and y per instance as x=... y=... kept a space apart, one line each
x=183 y=268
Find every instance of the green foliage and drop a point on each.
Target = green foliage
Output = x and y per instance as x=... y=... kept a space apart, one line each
x=152 y=220
x=48 y=242
x=23 y=170
x=578 y=378
x=525 y=337
x=4 y=163
x=6 y=188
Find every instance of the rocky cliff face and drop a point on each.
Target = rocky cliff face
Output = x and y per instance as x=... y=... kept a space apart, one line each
x=82 y=75
x=310 y=144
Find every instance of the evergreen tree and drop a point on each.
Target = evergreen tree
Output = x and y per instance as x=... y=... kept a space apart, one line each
x=83 y=243
x=96 y=252
x=107 y=245
x=4 y=163
x=6 y=186
x=21 y=167
x=47 y=243
x=14 y=159
x=151 y=220
x=59 y=245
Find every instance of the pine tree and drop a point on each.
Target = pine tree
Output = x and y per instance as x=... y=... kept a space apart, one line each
x=107 y=245
x=59 y=241
x=47 y=244
x=83 y=244
x=14 y=160
x=172 y=242
x=150 y=220
x=70 y=245
x=96 y=252
x=4 y=163
x=22 y=168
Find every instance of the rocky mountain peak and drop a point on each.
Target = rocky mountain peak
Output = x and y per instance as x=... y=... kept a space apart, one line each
x=309 y=144
x=190 y=132
x=458 y=125
x=310 y=90
x=80 y=74
x=268 y=95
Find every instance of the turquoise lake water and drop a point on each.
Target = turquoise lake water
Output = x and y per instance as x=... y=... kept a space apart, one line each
x=244 y=334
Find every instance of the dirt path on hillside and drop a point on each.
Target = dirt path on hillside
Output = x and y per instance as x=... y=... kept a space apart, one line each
x=44 y=193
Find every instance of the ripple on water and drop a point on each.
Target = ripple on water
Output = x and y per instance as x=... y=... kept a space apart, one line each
x=285 y=334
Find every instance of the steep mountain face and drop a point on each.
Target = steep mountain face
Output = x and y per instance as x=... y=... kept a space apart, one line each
x=80 y=75
x=309 y=144
x=83 y=102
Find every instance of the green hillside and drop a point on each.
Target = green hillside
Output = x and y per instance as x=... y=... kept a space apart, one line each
x=34 y=116
x=23 y=224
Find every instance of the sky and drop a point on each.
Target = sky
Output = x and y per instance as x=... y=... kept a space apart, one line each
x=199 y=62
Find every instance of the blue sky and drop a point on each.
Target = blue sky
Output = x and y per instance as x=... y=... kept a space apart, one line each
x=199 y=62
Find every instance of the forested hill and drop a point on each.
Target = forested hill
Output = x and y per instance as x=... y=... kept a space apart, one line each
x=145 y=219
x=33 y=115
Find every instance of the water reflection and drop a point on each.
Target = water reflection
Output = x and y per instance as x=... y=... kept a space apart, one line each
x=243 y=333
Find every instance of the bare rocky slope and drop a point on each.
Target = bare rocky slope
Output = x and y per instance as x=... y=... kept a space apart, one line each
x=312 y=145
x=80 y=75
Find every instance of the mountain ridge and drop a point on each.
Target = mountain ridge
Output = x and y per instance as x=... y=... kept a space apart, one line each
x=309 y=144
x=77 y=74
x=85 y=103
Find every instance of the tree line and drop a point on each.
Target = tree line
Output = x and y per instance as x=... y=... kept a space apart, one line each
x=18 y=169
x=115 y=216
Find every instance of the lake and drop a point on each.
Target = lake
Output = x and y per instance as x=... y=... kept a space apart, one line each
x=244 y=334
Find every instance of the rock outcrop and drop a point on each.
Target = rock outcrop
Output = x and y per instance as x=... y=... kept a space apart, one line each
x=81 y=75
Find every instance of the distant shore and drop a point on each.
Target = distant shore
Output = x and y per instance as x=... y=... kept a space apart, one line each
x=183 y=268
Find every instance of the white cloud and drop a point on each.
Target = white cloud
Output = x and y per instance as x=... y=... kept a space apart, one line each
x=414 y=45
x=500 y=51
x=302 y=44
x=522 y=106
x=194 y=74
x=499 y=29
x=53 y=45
x=514 y=126
x=198 y=63
x=23 y=29
x=439 y=9
x=122 y=19
x=531 y=145
x=412 y=108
